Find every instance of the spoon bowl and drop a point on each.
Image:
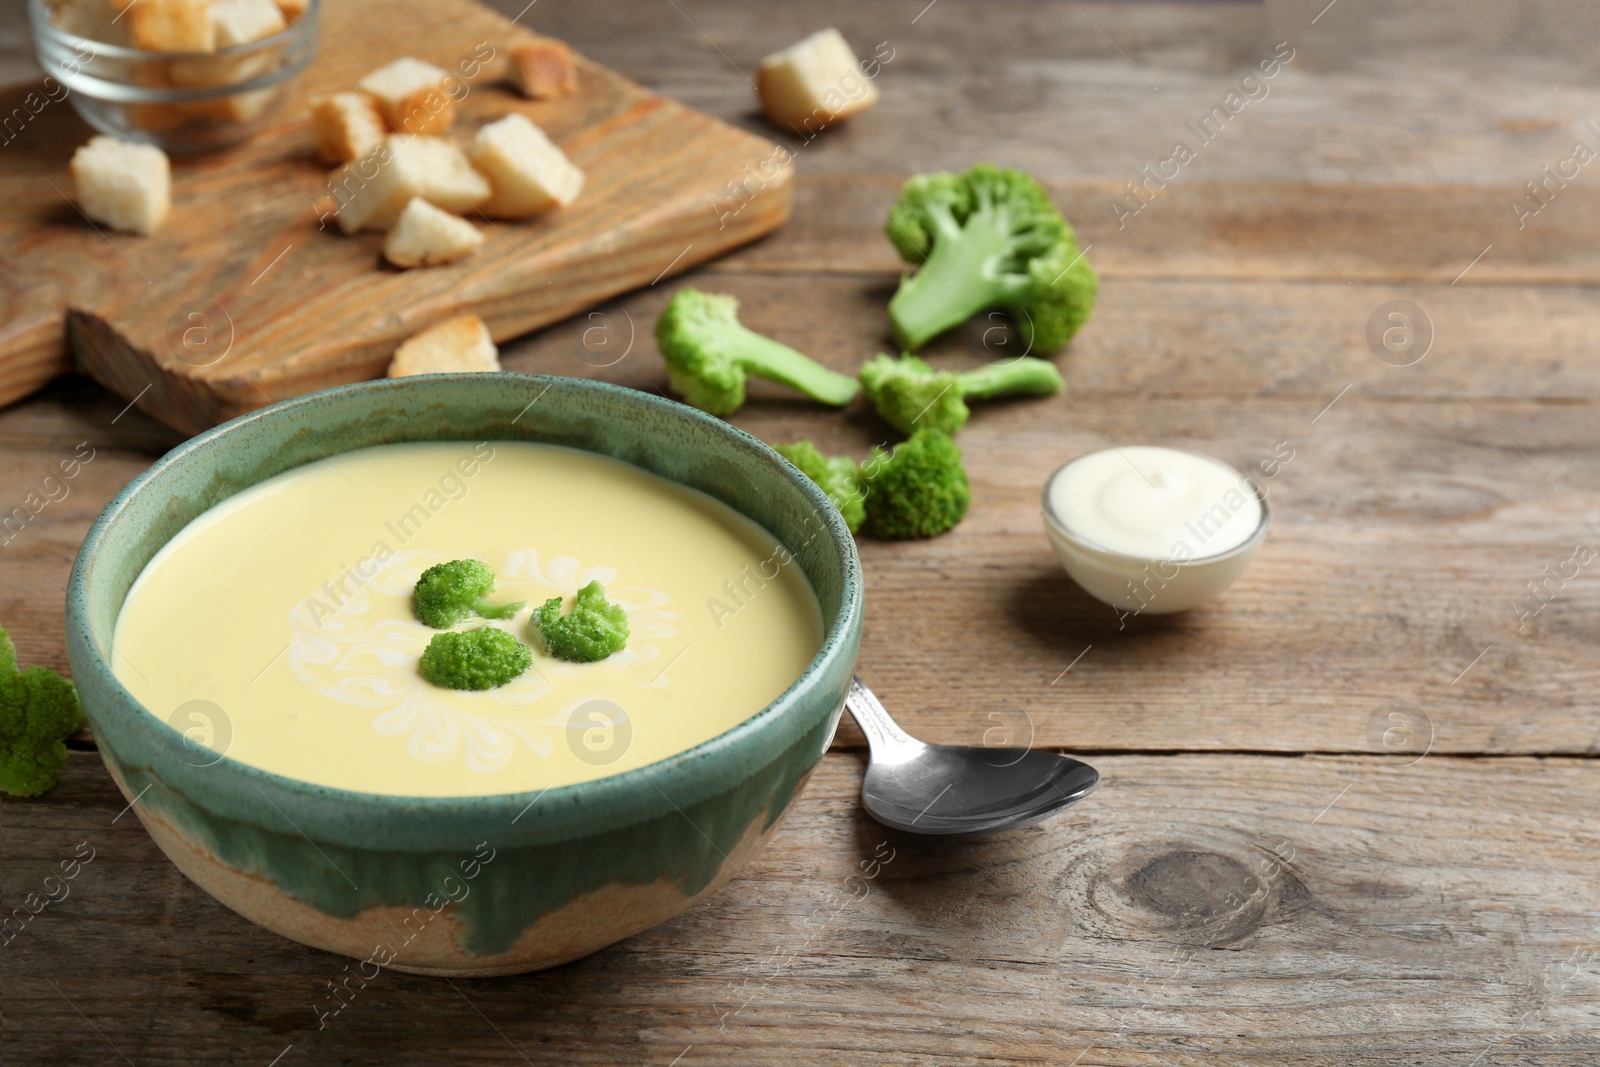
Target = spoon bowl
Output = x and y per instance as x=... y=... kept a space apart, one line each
x=949 y=789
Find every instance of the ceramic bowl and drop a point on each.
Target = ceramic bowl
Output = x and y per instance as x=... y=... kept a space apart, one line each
x=1140 y=585
x=476 y=885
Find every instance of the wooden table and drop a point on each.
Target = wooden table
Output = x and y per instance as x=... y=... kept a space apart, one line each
x=1348 y=811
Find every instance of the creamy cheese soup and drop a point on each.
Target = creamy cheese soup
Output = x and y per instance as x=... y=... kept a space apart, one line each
x=278 y=627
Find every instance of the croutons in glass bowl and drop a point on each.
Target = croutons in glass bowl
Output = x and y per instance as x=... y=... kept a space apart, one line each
x=185 y=75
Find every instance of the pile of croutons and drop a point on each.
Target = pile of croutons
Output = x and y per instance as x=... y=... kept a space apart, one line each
x=400 y=173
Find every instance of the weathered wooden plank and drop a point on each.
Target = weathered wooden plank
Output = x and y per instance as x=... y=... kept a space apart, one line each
x=1098 y=89
x=1153 y=337
x=1182 y=915
x=1355 y=232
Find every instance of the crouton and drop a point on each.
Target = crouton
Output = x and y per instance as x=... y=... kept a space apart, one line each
x=170 y=25
x=347 y=125
x=199 y=72
x=412 y=96
x=155 y=118
x=95 y=20
x=424 y=236
x=124 y=185
x=235 y=22
x=239 y=22
x=814 y=82
x=542 y=68
x=486 y=64
x=528 y=173
x=292 y=9
x=374 y=190
x=456 y=346
x=236 y=107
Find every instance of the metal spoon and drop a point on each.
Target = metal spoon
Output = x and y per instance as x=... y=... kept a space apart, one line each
x=949 y=789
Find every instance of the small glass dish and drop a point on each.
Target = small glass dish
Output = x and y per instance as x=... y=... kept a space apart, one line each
x=181 y=102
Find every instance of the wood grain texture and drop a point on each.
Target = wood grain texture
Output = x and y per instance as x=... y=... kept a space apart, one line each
x=1435 y=911
x=288 y=304
x=1199 y=910
x=1204 y=228
x=1404 y=94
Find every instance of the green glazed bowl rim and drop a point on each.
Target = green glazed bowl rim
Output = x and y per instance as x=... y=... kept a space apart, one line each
x=618 y=794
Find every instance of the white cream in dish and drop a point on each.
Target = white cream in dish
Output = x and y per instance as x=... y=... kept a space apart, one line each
x=1155 y=503
x=278 y=628
x=1150 y=529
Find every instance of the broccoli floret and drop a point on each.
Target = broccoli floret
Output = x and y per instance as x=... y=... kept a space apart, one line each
x=838 y=476
x=39 y=709
x=918 y=490
x=989 y=238
x=709 y=353
x=449 y=592
x=474 y=659
x=593 y=630
x=909 y=394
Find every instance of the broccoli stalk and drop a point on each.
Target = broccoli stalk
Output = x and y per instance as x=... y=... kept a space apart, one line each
x=709 y=353
x=989 y=238
x=593 y=630
x=918 y=490
x=474 y=659
x=449 y=592
x=39 y=709
x=909 y=394
x=838 y=476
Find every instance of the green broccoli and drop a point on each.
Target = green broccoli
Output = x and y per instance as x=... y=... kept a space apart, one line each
x=838 y=476
x=474 y=659
x=989 y=238
x=918 y=490
x=909 y=394
x=449 y=592
x=39 y=709
x=709 y=352
x=593 y=630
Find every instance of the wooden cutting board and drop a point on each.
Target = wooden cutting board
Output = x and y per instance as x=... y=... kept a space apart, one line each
x=286 y=303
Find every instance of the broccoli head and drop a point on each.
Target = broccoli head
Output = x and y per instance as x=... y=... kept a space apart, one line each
x=918 y=490
x=989 y=238
x=909 y=394
x=709 y=353
x=838 y=476
x=39 y=709
x=474 y=659
x=593 y=630
x=449 y=592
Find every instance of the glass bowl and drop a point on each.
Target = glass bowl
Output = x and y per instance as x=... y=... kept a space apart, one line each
x=181 y=102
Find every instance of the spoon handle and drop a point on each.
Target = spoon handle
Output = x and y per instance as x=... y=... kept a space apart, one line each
x=882 y=731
